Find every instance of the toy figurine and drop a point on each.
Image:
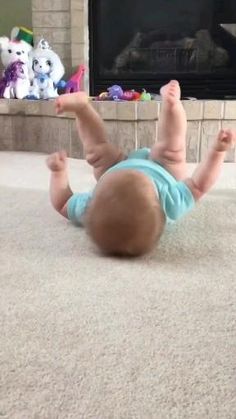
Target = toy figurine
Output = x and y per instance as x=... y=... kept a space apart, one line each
x=16 y=78
x=48 y=71
x=145 y=96
x=131 y=95
x=74 y=84
x=103 y=96
x=15 y=82
x=115 y=92
x=128 y=95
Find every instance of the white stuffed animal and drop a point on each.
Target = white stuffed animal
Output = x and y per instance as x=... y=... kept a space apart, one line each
x=13 y=51
x=48 y=71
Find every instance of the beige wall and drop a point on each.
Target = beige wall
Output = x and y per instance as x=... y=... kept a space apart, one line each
x=14 y=13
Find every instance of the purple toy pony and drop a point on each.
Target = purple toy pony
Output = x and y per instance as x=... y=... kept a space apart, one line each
x=15 y=82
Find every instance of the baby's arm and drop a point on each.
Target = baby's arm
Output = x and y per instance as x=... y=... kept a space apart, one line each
x=209 y=169
x=60 y=190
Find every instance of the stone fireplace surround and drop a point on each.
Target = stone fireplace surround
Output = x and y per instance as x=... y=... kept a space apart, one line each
x=33 y=125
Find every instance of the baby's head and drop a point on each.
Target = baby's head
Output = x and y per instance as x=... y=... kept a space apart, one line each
x=125 y=217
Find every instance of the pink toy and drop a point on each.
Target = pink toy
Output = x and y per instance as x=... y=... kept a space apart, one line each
x=74 y=84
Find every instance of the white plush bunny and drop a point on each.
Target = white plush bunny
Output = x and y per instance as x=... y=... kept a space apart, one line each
x=14 y=51
x=48 y=71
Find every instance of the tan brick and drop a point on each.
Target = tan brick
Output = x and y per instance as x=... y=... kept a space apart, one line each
x=193 y=141
x=6 y=133
x=78 y=35
x=78 y=54
x=76 y=151
x=61 y=36
x=33 y=107
x=51 y=20
x=112 y=130
x=77 y=19
x=47 y=107
x=55 y=5
x=78 y=4
x=4 y=106
x=40 y=33
x=126 y=135
x=127 y=111
x=148 y=110
x=44 y=134
x=146 y=133
x=63 y=50
x=107 y=110
x=194 y=109
x=17 y=107
x=27 y=133
x=230 y=109
x=209 y=131
x=213 y=109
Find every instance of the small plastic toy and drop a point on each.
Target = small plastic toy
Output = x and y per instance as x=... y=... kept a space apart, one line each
x=145 y=96
x=103 y=96
x=136 y=95
x=128 y=95
x=131 y=95
x=74 y=83
x=115 y=92
x=15 y=82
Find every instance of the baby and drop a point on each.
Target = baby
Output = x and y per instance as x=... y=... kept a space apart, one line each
x=136 y=195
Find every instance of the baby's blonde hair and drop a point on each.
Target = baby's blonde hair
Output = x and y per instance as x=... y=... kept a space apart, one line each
x=125 y=217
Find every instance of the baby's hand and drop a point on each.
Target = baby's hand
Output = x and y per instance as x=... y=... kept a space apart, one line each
x=226 y=139
x=57 y=162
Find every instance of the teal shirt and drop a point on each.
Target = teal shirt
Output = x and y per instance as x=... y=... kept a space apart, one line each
x=175 y=197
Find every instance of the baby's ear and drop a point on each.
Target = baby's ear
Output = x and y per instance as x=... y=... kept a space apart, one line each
x=4 y=41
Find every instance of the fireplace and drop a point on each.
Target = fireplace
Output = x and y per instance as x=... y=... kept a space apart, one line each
x=144 y=43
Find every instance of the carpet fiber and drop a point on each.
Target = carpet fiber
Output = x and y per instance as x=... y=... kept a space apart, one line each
x=84 y=336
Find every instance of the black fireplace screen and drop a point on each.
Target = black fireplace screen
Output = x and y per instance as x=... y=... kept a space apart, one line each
x=144 y=43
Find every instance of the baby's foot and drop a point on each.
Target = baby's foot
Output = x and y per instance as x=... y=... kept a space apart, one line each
x=72 y=102
x=57 y=162
x=171 y=92
x=225 y=140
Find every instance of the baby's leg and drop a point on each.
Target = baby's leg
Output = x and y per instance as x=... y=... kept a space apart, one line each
x=60 y=190
x=91 y=130
x=170 y=150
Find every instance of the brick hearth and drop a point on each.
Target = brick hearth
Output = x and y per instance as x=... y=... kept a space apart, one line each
x=33 y=125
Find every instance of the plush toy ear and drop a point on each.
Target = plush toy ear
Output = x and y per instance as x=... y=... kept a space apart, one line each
x=58 y=69
x=4 y=42
x=30 y=65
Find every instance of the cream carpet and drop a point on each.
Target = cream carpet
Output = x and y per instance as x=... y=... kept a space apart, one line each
x=83 y=336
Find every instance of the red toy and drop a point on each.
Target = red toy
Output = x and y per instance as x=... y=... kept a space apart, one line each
x=74 y=84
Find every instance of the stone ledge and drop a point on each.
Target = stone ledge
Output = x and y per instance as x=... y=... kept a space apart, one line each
x=198 y=110
x=32 y=128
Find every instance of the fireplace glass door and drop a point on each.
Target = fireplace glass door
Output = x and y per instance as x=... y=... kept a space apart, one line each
x=144 y=43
